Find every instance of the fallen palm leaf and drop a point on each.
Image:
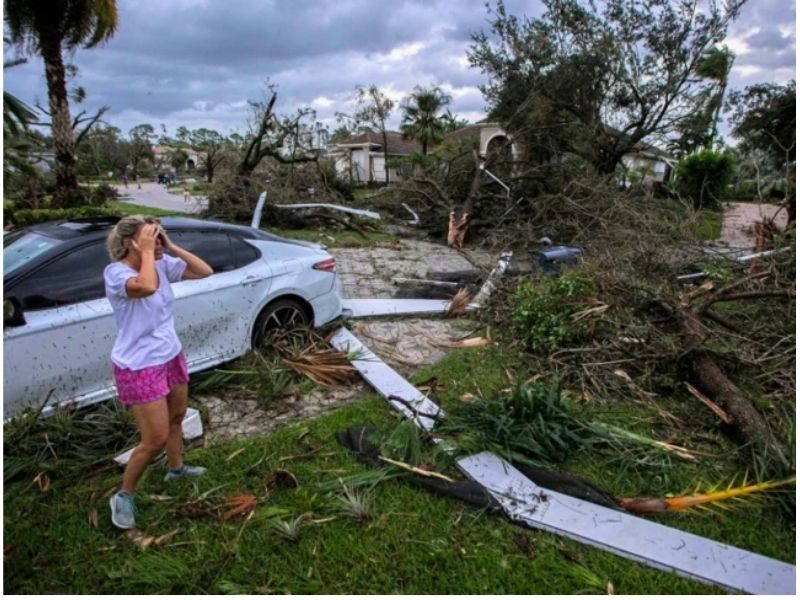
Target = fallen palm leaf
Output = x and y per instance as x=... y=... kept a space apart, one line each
x=167 y=537
x=459 y=303
x=144 y=541
x=159 y=497
x=699 y=500
x=239 y=504
x=93 y=518
x=325 y=367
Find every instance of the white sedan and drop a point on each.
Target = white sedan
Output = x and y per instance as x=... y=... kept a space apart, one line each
x=58 y=327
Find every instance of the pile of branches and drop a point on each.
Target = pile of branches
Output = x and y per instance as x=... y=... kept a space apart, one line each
x=726 y=341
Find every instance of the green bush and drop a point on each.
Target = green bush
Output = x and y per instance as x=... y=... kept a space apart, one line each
x=542 y=309
x=704 y=176
x=30 y=216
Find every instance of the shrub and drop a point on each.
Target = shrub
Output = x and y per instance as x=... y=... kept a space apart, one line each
x=542 y=309
x=30 y=216
x=704 y=176
x=101 y=194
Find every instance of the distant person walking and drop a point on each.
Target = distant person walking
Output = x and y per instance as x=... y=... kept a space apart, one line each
x=150 y=369
x=138 y=184
x=187 y=197
x=125 y=180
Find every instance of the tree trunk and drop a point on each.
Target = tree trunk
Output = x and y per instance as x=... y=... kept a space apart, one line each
x=385 y=155
x=67 y=192
x=749 y=424
x=459 y=220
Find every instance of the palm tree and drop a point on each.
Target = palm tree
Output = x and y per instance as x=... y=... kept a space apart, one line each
x=715 y=65
x=16 y=141
x=47 y=28
x=421 y=120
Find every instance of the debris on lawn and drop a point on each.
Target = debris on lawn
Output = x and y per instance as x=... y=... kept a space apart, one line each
x=282 y=479
x=192 y=429
x=144 y=541
x=226 y=509
x=609 y=528
x=323 y=366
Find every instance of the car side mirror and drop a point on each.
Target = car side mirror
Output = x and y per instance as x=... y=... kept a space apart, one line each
x=12 y=313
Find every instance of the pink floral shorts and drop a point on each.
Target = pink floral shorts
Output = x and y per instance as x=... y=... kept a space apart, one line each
x=151 y=383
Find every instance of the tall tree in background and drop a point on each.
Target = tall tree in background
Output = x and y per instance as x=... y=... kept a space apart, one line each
x=421 y=118
x=47 y=28
x=141 y=146
x=374 y=109
x=596 y=79
x=208 y=144
x=451 y=122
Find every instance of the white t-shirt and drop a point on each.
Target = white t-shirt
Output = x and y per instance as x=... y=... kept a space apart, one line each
x=146 y=326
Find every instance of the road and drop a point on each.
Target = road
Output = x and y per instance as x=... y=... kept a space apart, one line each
x=739 y=218
x=156 y=195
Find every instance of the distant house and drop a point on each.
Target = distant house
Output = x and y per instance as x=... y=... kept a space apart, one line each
x=650 y=162
x=162 y=154
x=360 y=158
x=487 y=136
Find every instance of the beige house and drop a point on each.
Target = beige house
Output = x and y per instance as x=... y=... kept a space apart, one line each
x=161 y=156
x=360 y=159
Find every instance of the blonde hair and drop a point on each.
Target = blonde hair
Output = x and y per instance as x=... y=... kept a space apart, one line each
x=124 y=231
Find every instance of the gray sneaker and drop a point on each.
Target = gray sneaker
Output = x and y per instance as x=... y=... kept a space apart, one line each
x=186 y=471
x=123 y=509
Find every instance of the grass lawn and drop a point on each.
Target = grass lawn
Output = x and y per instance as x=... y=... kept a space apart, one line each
x=333 y=238
x=709 y=225
x=415 y=542
x=126 y=208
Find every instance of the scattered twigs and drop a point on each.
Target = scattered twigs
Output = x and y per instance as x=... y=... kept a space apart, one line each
x=416 y=470
x=714 y=408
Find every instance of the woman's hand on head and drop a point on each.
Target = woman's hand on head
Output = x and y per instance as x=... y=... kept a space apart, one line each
x=145 y=239
x=165 y=241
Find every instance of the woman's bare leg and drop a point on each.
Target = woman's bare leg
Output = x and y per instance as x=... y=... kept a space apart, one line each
x=152 y=420
x=177 y=401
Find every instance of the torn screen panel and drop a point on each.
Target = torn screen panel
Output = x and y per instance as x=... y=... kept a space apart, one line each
x=403 y=396
x=653 y=544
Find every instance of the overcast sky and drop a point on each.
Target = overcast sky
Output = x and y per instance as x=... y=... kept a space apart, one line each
x=197 y=62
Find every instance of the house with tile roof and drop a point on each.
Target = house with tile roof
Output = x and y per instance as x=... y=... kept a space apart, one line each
x=360 y=159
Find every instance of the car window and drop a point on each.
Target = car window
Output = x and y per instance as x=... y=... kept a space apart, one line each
x=74 y=277
x=243 y=253
x=214 y=247
x=21 y=249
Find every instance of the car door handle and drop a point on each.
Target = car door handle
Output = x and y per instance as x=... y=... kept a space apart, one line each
x=252 y=280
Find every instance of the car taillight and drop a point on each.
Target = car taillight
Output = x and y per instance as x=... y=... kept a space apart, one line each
x=329 y=265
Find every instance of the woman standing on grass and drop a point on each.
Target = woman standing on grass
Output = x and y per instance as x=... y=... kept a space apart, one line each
x=149 y=367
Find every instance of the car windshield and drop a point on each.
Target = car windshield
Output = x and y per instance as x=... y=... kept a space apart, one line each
x=22 y=249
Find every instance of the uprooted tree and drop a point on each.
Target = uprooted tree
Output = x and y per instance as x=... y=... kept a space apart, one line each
x=276 y=155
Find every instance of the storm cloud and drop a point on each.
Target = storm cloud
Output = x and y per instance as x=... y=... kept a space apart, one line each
x=197 y=62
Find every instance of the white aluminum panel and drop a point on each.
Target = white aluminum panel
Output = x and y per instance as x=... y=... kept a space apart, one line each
x=377 y=307
x=632 y=537
x=389 y=383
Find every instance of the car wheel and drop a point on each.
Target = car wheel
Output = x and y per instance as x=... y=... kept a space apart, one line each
x=284 y=315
